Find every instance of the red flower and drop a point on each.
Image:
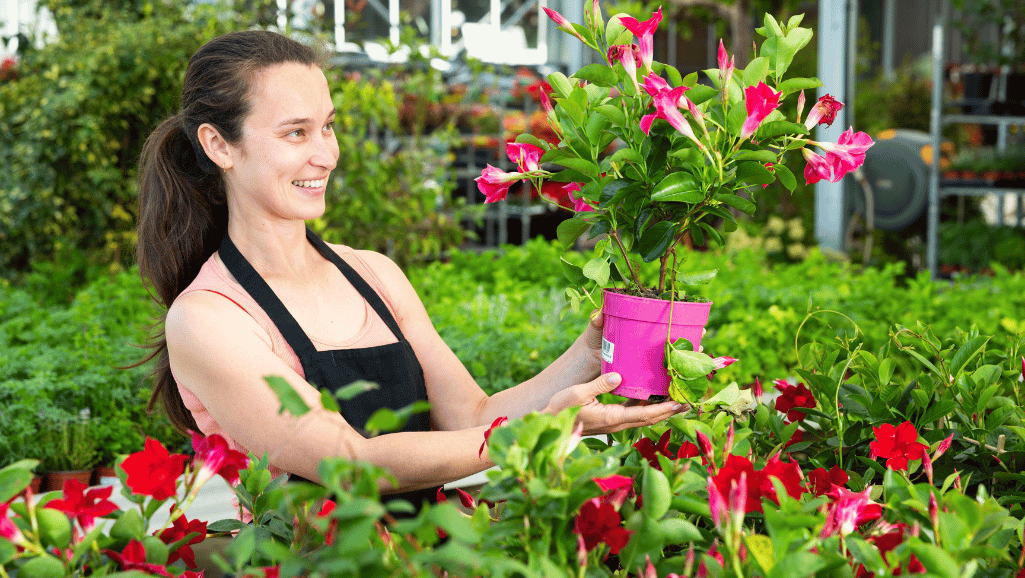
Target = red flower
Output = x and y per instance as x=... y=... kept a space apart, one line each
x=494 y=183
x=215 y=457
x=760 y=100
x=650 y=450
x=487 y=434
x=897 y=445
x=792 y=398
x=849 y=510
x=329 y=506
x=886 y=543
x=824 y=112
x=8 y=529
x=688 y=450
x=617 y=489
x=84 y=506
x=133 y=557
x=599 y=522
x=180 y=528
x=154 y=472
x=820 y=481
x=758 y=482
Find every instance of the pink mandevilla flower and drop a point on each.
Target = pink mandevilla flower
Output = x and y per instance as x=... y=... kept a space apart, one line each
x=817 y=168
x=487 y=433
x=848 y=510
x=525 y=155
x=494 y=183
x=847 y=154
x=579 y=205
x=216 y=458
x=717 y=504
x=667 y=106
x=563 y=23
x=655 y=84
x=760 y=100
x=726 y=67
x=645 y=32
x=824 y=112
x=628 y=56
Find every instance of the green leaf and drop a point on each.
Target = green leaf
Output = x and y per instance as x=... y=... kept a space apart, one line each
x=886 y=368
x=128 y=526
x=347 y=392
x=597 y=74
x=12 y=482
x=792 y=85
x=560 y=84
x=386 y=419
x=936 y=561
x=689 y=364
x=224 y=526
x=966 y=352
x=701 y=93
x=570 y=230
x=289 y=398
x=655 y=241
x=613 y=113
x=454 y=522
x=582 y=166
x=626 y=154
x=756 y=71
x=761 y=156
x=598 y=270
x=680 y=187
x=761 y=549
x=696 y=277
x=597 y=129
x=796 y=565
x=328 y=401
x=776 y=128
x=656 y=492
x=737 y=202
x=528 y=138
x=785 y=176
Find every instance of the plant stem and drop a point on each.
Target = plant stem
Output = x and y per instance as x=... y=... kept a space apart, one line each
x=622 y=250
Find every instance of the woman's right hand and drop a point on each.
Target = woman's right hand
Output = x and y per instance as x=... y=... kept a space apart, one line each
x=598 y=417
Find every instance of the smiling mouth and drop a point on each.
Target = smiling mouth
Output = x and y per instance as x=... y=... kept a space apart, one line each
x=310 y=184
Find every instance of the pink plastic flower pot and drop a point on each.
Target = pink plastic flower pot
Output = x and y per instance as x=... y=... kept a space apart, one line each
x=633 y=342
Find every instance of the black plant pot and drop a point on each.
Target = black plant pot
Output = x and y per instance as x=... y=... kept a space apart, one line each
x=977 y=86
x=1014 y=99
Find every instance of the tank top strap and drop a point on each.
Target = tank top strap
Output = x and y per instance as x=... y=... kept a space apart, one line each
x=357 y=281
x=258 y=289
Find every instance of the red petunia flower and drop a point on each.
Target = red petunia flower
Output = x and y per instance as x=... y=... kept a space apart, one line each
x=792 y=398
x=599 y=522
x=688 y=450
x=84 y=506
x=215 y=457
x=181 y=527
x=896 y=445
x=153 y=471
x=617 y=489
x=133 y=557
x=821 y=482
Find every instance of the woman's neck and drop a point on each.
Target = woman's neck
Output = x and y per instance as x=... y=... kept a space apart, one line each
x=277 y=250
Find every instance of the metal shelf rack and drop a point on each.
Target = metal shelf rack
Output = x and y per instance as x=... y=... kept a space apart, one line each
x=939 y=188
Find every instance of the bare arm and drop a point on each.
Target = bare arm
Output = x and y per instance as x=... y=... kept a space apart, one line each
x=221 y=354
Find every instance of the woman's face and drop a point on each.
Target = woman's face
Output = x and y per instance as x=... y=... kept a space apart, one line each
x=280 y=169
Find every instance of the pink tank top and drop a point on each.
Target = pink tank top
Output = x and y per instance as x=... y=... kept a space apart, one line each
x=214 y=277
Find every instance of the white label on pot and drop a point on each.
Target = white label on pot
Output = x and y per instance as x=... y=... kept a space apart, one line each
x=606 y=350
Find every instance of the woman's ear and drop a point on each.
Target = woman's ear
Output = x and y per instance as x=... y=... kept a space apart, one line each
x=215 y=147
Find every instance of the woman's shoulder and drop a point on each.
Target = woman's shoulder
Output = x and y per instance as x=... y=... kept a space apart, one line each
x=377 y=263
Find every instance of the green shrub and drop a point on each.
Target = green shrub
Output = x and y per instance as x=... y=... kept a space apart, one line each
x=72 y=125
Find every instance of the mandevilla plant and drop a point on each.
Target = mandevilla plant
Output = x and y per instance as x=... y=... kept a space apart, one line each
x=681 y=153
x=60 y=534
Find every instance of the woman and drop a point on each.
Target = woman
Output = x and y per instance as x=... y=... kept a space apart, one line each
x=225 y=188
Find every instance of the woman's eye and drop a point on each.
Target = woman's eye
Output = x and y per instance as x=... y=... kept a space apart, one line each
x=329 y=127
x=297 y=132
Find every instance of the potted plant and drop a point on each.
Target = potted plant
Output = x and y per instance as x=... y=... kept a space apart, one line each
x=688 y=157
x=70 y=448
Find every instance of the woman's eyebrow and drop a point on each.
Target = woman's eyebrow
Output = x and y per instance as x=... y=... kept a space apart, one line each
x=301 y=121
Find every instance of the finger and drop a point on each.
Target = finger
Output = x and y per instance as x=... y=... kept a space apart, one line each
x=597 y=319
x=646 y=415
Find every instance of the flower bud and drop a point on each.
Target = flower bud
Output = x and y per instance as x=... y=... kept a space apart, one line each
x=705 y=445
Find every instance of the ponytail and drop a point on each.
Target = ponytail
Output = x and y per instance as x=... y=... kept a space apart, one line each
x=182 y=219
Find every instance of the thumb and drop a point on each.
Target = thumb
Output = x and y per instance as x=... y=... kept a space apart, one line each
x=597 y=319
x=606 y=383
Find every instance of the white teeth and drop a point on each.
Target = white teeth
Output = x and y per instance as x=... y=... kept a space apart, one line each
x=310 y=184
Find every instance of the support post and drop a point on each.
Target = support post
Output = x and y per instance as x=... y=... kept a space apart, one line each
x=832 y=71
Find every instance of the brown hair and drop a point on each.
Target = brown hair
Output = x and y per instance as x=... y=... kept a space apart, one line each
x=183 y=213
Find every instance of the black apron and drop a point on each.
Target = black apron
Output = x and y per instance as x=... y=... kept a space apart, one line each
x=393 y=366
